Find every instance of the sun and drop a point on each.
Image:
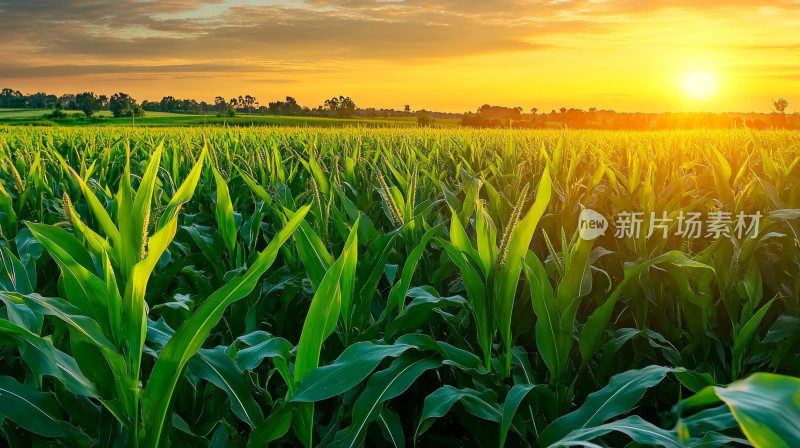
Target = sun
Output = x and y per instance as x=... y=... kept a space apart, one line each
x=700 y=84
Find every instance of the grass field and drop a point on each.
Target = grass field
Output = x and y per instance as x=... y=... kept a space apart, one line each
x=397 y=287
x=161 y=119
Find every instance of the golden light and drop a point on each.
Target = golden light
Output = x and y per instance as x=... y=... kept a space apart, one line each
x=700 y=84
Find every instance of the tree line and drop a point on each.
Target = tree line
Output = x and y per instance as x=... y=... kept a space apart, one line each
x=488 y=116
x=123 y=105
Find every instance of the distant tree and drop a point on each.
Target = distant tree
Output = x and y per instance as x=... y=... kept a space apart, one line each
x=407 y=108
x=780 y=105
x=38 y=100
x=89 y=103
x=168 y=104
x=226 y=108
x=249 y=102
x=500 y=112
x=288 y=107
x=341 y=107
x=68 y=100
x=291 y=107
x=534 y=110
x=220 y=104
x=332 y=104
x=121 y=105
x=563 y=110
x=12 y=98
x=347 y=107
x=152 y=106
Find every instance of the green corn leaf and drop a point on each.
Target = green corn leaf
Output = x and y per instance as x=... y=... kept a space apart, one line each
x=439 y=403
x=84 y=290
x=618 y=397
x=766 y=407
x=391 y=428
x=37 y=412
x=507 y=277
x=312 y=252
x=399 y=291
x=634 y=427
x=99 y=212
x=13 y=275
x=255 y=187
x=591 y=334
x=324 y=311
x=216 y=367
x=459 y=239
x=224 y=212
x=381 y=387
x=274 y=427
x=191 y=334
x=352 y=367
x=553 y=342
x=418 y=312
x=44 y=359
x=745 y=335
x=486 y=238
x=513 y=400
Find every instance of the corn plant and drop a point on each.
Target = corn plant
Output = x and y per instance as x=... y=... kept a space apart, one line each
x=363 y=287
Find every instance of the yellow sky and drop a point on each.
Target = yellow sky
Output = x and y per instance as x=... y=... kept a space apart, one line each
x=449 y=55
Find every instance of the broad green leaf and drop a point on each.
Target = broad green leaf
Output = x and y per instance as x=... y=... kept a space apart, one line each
x=37 y=412
x=618 y=397
x=274 y=427
x=399 y=291
x=553 y=342
x=324 y=311
x=349 y=369
x=635 y=427
x=224 y=212
x=508 y=273
x=391 y=428
x=381 y=387
x=418 y=312
x=191 y=335
x=439 y=403
x=216 y=367
x=513 y=400
x=767 y=407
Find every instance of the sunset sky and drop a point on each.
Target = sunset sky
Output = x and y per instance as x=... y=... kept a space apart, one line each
x=447 y=55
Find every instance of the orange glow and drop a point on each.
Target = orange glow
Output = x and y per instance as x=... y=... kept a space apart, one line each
x=448 y=56
x=700 y=84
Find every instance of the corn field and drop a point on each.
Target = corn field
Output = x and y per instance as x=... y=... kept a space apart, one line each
x=294 y=287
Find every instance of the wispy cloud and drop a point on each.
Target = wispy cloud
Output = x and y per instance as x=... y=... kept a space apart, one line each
x=281 y=41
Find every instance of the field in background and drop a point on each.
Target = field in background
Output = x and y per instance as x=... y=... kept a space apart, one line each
x=161 y=119
x=393 y=287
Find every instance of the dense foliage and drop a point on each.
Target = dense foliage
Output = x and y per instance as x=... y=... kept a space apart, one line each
x=340 y=288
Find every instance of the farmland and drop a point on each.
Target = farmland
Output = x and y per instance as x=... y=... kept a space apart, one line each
x=349 y=287
x=22 y=117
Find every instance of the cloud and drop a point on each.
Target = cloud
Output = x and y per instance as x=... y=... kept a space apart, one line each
x=279 y=41
x=66 y=70
x=129 y=30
